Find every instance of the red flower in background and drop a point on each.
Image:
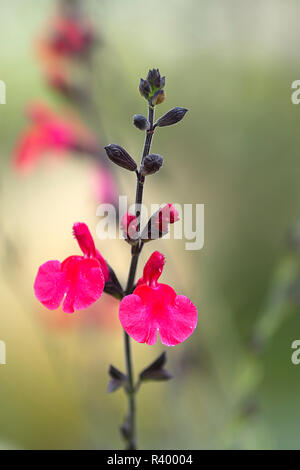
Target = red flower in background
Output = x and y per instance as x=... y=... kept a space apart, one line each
x=155 y=307
x=78 y=281
x=49 y=132
x=68 y=36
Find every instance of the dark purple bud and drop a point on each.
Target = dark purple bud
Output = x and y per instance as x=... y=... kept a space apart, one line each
x=117 y=379
x=156 y=370
x=141 y=122
x=144 y=88
x=120 y=157
x=152 y=87
x=155 y=80
x=151 y=164
x=171 y=117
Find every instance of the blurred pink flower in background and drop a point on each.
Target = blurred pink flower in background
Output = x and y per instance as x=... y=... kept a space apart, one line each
x=49 y=132
x=68 y=36
x=104 y=186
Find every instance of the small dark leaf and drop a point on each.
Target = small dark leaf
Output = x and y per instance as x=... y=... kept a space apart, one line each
x=116 y=373
x=113 y=385
x=171 y=117
x=156 y=370
x=119 y=156
x=117 y=379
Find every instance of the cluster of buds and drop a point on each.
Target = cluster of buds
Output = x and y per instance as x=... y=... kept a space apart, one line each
x=156 y=227
x=153 y=87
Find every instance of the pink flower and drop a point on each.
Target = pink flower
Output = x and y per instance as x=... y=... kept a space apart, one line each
x=166 y=215
x=78 y=281
x=129 y=224
x=49 y=132
x=155 y=307
x=158 y=224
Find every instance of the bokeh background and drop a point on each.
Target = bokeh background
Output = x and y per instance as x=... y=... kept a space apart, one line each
x=231 y=63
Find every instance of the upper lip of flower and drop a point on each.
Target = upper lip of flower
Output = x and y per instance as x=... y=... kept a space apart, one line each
x=152 y=270
x=84 y=239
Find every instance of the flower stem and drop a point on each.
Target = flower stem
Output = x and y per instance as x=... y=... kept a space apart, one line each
x=130 y=432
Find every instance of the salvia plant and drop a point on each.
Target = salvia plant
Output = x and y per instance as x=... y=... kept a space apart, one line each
x=147 y=307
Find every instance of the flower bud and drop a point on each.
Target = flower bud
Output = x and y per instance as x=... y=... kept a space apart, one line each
x=155 y=80
x=158 y=224
x=141 y=122
x=151 y=164
x=152 y=87
x=171 y=117
x=159 y=97
x=144 y=88
x=120 y=157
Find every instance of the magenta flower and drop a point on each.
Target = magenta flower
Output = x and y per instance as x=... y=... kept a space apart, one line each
x=166 y=215
x=155 y=307
x=78 y=281
x=163 y=217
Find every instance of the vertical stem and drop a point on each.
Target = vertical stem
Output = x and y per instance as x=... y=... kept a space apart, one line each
x=135 y=253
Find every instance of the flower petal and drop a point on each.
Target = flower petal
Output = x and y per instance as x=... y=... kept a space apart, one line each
x=149 y=310
x=85 y=282
x=179 y=323
x=84 y=239
x=50 y=284
x=153 y=269
x=136 y=320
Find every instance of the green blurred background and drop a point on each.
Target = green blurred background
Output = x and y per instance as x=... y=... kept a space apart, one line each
x=231 y=63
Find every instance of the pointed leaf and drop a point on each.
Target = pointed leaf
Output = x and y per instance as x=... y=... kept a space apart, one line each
x=156 y=370
x=118 y=379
